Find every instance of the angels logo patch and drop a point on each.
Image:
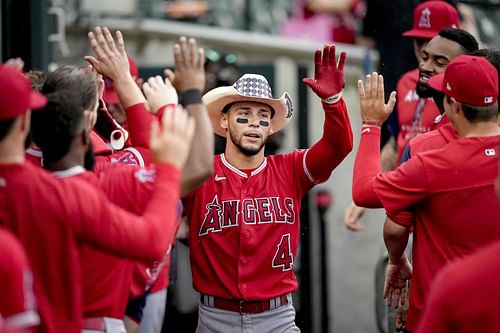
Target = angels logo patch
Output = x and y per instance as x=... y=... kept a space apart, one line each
x=425 y=19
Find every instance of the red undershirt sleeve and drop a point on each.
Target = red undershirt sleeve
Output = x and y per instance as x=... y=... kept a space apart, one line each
x=333 y=146
x=366 y=168
x=394 y=190
x=139 y=125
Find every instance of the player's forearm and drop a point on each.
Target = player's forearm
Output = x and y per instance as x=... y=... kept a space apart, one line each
x=139 y=124
x=334 y=145
x=396 y=239
x=389 y=155
x=366 y=168
x=128 y=92
x=199 y=165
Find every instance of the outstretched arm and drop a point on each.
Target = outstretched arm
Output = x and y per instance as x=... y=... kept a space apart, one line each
x=189 y=80
x=336 y=141
x=111 y=61
x=374 y=111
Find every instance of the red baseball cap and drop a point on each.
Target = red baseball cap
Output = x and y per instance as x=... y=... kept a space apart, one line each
x=468 y=79
x=110 y=96
x=430 y=17
x=16 y=95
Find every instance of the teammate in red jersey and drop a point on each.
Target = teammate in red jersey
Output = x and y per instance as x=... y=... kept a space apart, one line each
x=244 y=221
x=415 y=108
x=438 y=179
x=50 y=217
x=17 y=305
x=106 y=281
x=464 y=297
x=435 y=139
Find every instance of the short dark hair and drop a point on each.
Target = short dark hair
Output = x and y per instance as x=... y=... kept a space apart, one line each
x=37 y=79
x=477 y=114
x=467 y=42
x=5 y=126
x=55 y=126
x=71 y=78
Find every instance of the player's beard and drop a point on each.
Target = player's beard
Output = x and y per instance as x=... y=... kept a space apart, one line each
x=423 y=90
x=89 y=159
x=245 y=150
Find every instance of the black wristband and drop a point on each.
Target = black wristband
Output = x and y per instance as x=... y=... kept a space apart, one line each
x=192 y=96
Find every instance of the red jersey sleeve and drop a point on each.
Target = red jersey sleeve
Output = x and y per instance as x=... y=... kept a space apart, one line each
x=366 y=167
x=17 y=304
x=404 y=187
x=395 y=190
x=139 y=125
x=128 y=187
x=333 y=146
x=106 y=226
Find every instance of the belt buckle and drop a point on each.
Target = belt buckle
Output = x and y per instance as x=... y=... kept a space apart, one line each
x=241 y=306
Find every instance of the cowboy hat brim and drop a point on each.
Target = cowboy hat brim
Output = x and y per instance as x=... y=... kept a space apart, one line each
x=216 y=99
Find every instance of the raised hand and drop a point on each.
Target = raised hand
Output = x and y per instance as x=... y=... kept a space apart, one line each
x=159 y=93
x=328 y=75
x=352 y=216
x=171 y=143
x=372 y=99
x=16 y=63
x=189 y=70
x=397 y=280
x=111 y=58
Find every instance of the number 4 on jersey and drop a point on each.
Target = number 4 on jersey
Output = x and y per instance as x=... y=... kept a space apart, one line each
x=283 y=257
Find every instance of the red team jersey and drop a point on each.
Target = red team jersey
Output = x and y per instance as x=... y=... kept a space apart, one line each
x=17 y=303
x=72 y=212
x=415 y=115
x=435 y=139
x=244 y=228
x=465 y=296
x=452 y=190
x=106 y=278
x=255 y=217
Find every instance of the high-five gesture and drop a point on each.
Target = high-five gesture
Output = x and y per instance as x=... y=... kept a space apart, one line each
x=189 y=70
x=372 y=99
x=159 y=92
x=111 y=59
x=328 y=75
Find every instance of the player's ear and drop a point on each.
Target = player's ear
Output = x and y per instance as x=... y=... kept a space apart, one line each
x=455 y=105
x=85 y=137
x=26 y=121
x=224 y=121
x=90 y=118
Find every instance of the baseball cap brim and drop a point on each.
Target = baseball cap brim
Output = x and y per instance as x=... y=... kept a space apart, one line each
x=418 y=33
x=436 y=82
x=37 y=100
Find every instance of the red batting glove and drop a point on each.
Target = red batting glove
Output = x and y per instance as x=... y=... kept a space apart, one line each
x=328 y=77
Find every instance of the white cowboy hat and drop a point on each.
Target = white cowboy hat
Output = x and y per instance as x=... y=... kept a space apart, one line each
x=249 y=87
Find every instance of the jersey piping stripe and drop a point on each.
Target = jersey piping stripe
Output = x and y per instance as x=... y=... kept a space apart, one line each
x=73 y=171
x=22 y=320
x=311 y=179
x=34 y=152
x=137 y=154
x=259 y=169
x=238 y=171
x=232 y=168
